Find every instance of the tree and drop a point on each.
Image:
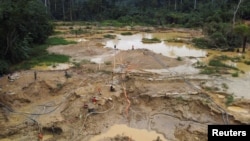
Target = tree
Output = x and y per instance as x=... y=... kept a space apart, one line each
x=244 y=31
x=195 y=4
x=23 y=23
x=236 y=10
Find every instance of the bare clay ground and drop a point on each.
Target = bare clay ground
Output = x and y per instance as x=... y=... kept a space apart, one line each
x=177 y=106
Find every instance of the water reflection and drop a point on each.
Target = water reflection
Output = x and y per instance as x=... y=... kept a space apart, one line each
x=135 y=134
x=167 y=49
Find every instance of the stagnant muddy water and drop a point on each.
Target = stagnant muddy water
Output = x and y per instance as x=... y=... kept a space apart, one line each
x=136 y=134
x=165 y=48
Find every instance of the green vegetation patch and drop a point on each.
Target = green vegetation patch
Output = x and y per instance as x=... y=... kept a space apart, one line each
x=201 y=43
x=40 y=55
x=109 y=36
x=179 y=58
x=236 y=74
x=217 y=66
x=229 y=100
x=247 y=62
x=48 y=60
x=209 y=70
x=126 y=33
x=218 y=63
x=58 y=41
x=153 y=40
x=225 y=58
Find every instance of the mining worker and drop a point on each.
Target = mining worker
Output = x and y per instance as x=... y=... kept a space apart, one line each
x=85 y=106
x=99 y=91
x=66 y=74
x=112 y=89
x=9 y=78
x=132 y=47
x=40 y=136
x=35 y=75
x=94 y=100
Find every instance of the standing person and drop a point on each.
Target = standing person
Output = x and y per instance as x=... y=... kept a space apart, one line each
x=35 y=75
x=66 y=74
x=115 y=47
x=99 y=91
x=132 y=47
x=112 y=89
x=9 y=78
x=40 y=136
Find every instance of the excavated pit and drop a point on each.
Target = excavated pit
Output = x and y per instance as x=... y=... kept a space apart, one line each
x=169 y=106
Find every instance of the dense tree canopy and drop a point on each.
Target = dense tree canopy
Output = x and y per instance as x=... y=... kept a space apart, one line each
x=187 y=12
x=23 y=23
x=26 y=22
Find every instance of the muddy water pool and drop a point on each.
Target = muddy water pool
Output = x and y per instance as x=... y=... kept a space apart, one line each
x=165 y=48
x=135 y=134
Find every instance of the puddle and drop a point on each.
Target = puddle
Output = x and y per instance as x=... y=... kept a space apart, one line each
x=135 y=134
x=167 y=49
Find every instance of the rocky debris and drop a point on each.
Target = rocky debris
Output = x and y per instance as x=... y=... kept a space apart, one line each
x=13 y=77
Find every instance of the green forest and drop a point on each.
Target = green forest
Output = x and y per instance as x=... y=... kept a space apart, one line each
x=24 y=24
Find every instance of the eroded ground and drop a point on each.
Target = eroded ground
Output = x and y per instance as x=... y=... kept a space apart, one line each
x=152 y=92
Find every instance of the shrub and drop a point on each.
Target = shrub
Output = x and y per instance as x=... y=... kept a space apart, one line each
x=127 y=33
x=179 y=58
x=153 y=40
x=109 y=36
x=216 y=63
x=236 y=74
x=208 y=70
x=229 y=100
x=247 y=62
x=201 y=42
